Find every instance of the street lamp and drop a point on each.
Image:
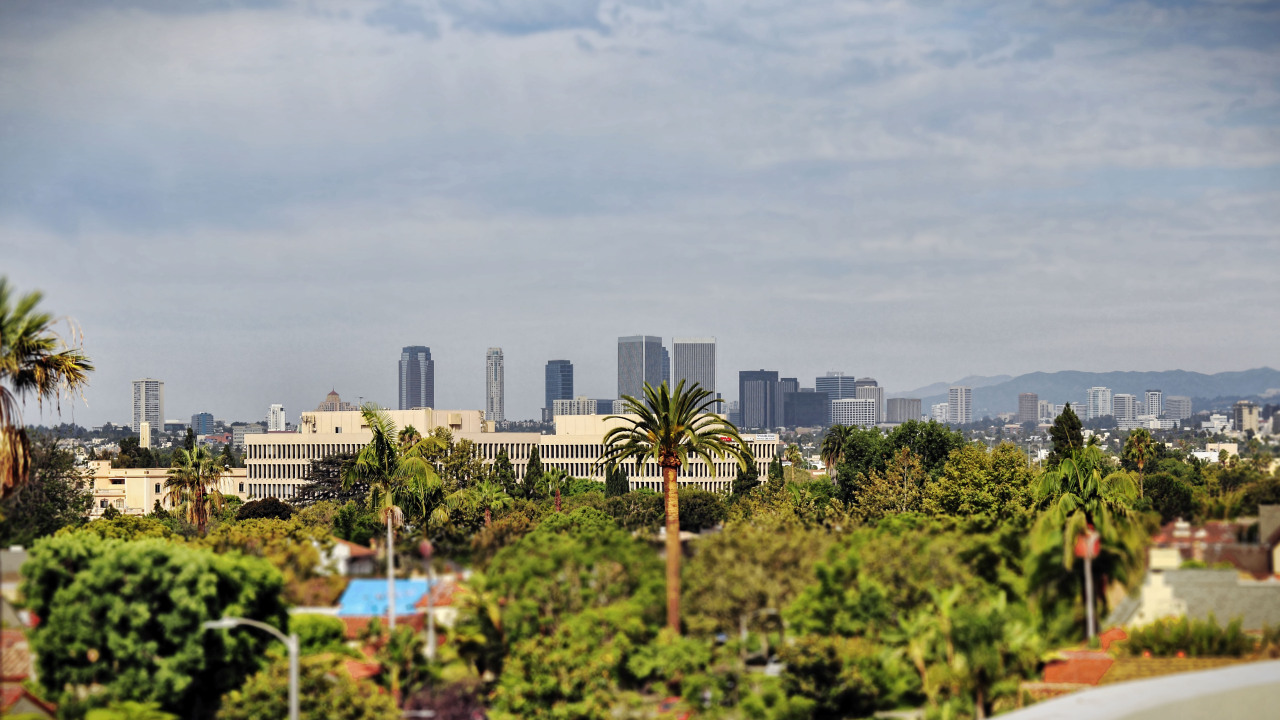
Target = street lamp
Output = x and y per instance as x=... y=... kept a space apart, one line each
x=425 y=548
x=290 y=642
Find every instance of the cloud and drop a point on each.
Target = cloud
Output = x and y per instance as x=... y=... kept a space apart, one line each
x=525 y=17
x=403 y=17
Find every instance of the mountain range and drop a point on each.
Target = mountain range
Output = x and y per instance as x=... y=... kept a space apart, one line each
x=999 y=393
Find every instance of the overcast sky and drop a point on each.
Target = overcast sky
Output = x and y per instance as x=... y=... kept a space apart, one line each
x=257 y=202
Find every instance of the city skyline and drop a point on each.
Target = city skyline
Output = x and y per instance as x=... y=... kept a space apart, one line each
x=1002 y=164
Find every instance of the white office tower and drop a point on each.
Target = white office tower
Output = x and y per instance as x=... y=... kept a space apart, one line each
x=275 y=418
x=1047 y=411
x=1154 y=400
x=1124 y=406
x=854 y=411
x=1097 y=402
x=939 y=412
x=144 y=434
x=148 y=403
x=493 y=385
x=960 y=405
x=874 y=393
x=694 y=360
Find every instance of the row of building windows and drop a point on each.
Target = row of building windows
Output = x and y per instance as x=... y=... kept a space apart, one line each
x=299 y=451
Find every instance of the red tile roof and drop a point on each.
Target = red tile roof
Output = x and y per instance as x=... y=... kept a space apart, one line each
x=441 y=595
x=1079 y=667
x=357 y=624
x=11 y=693
x=356 y=550
x=15 y=656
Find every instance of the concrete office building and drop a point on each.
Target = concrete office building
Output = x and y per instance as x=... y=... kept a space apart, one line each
x=1124 y=406
x=854 y=411
x=760 y=399
x=148 y=403
x=1028 y=408
x=900 y=410
x=1048 y=411
x=334 y=403
x=1097 y=402
x=640 y=361
x=559 y=386
x=836 y=385
x=1177 y=407
x=666 y=366
x=1152 y=402
x=239 y=431
x=494 y=385
x=693 y=359
x=277 y=464
x=202 y=423
x=275 y=419
x=960 y=405
x=940 y=412
x=869 y=390
x=576 y=406
x=134 y=491
x=417 y=378
x=805 y=408
x=1244 y=416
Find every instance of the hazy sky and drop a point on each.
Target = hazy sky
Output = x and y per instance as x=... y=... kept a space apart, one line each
x=259 y=201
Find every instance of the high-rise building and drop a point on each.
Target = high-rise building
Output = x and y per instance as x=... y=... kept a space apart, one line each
x=275 y=418
x=1028 y=408
x=960 y=405
x=1244 y=416
x=760 y=398
x=867 y=389
x=334 y=403
x=417 y=378
x=202 y=423
x=144 y=434
x=1097 y=402
x=576 y=406
x=805 y=408
x=1177 y=407
x=854 y=411
x=666 y=366
x=1152 y=399
x=148 y=403
x=559 y=386
x=1048 y=411
x=693 y=360
x=940 y=412
x=836 y=385
x=640 y=361
x=1124 y=406
x=493 y=385
x=900 y=410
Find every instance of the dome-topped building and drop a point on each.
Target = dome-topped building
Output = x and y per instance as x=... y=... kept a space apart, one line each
x=333 y=403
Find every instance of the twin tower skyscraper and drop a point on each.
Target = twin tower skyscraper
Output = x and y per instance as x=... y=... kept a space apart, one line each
x=418 y=380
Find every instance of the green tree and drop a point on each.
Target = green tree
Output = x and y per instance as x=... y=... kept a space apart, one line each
x=193 y=485
x=670 y=427
x=895 y=490
x=504 y=474
x=189 y=441
x=832 y=450
x=932 y=442
x=1066 y=434
x=129 y=710
x=35 y=361
x=974 y=481
x=319 y=634
x=490 y=497
x=616 y=483
x=326 y=480
x=1138 y=450
x=533 y=476
x=775 y=478
x=127 y=616
x=325 y=691
x=291 y=546
x=1170 y=496
x=700 y=509
x=264 y=508
x=56 y=496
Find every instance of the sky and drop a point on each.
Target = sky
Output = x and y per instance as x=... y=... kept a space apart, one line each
x=260 y=201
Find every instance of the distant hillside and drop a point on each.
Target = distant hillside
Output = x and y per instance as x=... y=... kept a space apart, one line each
x=1070 y=386
x=973 y=381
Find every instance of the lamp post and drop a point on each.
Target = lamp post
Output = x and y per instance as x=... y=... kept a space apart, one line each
x=290 y=642
x=425 y=548
x=1087 y=547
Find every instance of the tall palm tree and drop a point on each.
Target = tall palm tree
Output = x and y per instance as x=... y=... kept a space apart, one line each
x=193 y=485
x=556 y=479
x=671 y=428
x=1082 y=494
x=832 y=450
x=1138 y=447
x=489 y=496
x=396 y=475
x=35 y=361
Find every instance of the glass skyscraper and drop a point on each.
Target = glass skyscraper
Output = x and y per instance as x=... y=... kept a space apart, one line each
x=559 y=386
x=640 y=361
x=417 y=378
x=694 y=361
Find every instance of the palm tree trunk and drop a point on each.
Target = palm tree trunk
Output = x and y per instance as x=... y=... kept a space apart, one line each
x=488 y=516
x=980 y=711
x=391 y=577
x=673 y=548
x=557 y=497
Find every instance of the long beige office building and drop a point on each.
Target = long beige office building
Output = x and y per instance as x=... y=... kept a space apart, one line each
x=134 y=491
x=278 y=463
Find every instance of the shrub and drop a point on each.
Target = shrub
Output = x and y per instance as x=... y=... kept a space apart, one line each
x=266 y=508
x=1196 y=638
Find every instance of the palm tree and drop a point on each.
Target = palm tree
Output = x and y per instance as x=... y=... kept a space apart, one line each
x=193 y=485
x=490 y=496
x=396 y=475
x=1080 y=499
x=35 y=361
x=833 y=447
x=1138 y=447
x=556 y=478
x=670 y=428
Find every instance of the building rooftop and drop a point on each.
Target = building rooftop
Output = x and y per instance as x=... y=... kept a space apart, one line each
x=368 y=597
